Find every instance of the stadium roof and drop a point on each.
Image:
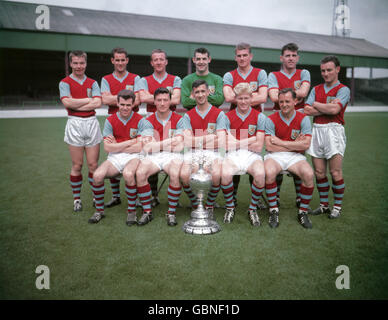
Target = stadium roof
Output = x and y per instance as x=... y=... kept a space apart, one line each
x=99 y=31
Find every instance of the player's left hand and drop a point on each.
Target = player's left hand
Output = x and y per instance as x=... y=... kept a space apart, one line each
x=177 y=147
x=336 y=101
x=148 y=148
x=254 y=147
x=110 y=139
x=308 y=110
x=276 y=141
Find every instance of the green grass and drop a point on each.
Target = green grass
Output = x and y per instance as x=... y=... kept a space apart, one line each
x=112 y=261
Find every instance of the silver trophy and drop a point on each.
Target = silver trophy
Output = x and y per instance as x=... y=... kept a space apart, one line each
x=200 y=182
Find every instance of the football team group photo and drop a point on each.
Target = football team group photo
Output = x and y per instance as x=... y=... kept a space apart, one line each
x=148 y=140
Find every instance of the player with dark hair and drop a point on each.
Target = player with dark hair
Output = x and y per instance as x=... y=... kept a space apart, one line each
x=162 y=143
x=123 y=144
x=257 y=79
x=287 y=136
x=204 y=125
x=147 y=87
x=81 y=96
x=245 y=72
x=202 y=60
x=289 y=77
x=111 y=85
x=327 y=103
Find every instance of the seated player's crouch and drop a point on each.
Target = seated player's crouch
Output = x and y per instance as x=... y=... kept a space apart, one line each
x=244 y=142
x=163 y=141
x=123 y=144
x=287 y=136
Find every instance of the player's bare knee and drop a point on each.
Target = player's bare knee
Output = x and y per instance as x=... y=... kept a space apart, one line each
x=270 y=174
x=141 y=174
x=76 y=167
x=226 y=174
x=259 y=179
x=174 y=180
x=307 y=176
x=320 y=174
x=185 y=175
x=216 y=177
x=226 y=179
x=129 y=176
x=259 y=173
x=336 y=174
x=92 y=166
x=98 y=177
x=174 y=175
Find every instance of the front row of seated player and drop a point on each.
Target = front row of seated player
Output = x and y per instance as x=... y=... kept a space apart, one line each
x=139 y=148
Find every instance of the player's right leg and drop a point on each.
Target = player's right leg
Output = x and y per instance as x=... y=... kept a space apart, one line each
x=184 y=175
x=229 y=169
x=129 y=174
x=92 y=153
x=338 y=184
x=105 y=170
x=77 y=156
x=236 y=182
x=145 y=169
x=320 y=169
x=257 y=171
x=216 y=166
x=272 y=169
x=279 y=182
x=303 y=170
x=153 y=182
x=115 y=186
x=174 y=191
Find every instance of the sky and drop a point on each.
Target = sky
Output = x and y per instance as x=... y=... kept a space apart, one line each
x=367 y=18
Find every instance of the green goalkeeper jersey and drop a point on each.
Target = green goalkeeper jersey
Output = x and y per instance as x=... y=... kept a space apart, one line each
x=215 y=82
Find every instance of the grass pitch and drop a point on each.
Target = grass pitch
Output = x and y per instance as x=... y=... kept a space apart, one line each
x=113 y=261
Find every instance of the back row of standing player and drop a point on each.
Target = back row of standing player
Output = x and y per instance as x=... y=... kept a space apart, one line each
x=326 y=103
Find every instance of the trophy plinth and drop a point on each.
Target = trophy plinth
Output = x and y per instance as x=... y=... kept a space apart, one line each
x=200 y=222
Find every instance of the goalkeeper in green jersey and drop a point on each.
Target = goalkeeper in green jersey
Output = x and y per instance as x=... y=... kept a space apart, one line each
x=201 y=60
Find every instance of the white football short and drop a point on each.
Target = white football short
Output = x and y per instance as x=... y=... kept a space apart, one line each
x=161 y=159
x=327 y=140
x=209 y=156
x=120 y=159
x=285 y=159
x=82 y=132
x=243 y=159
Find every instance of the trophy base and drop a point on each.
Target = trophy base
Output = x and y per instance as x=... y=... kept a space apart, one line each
x=201 y=226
